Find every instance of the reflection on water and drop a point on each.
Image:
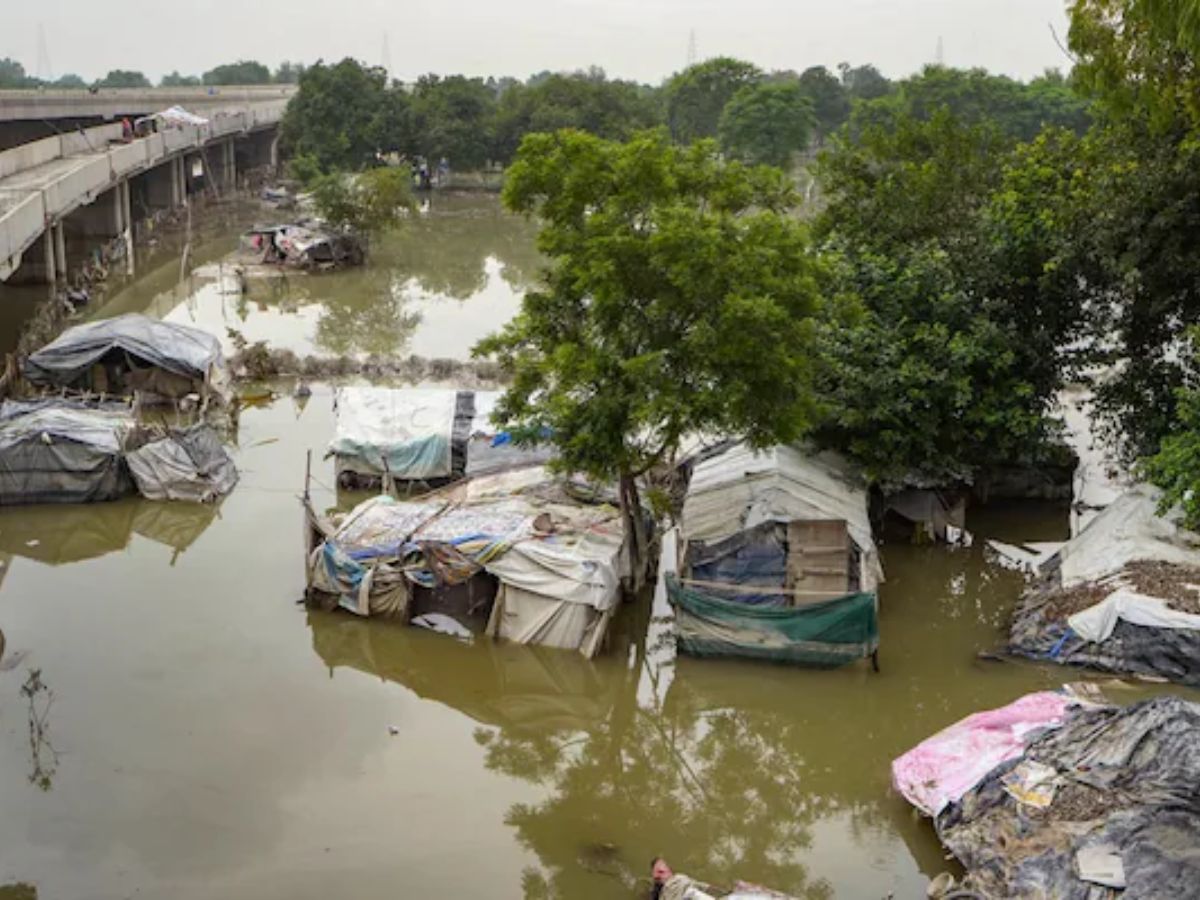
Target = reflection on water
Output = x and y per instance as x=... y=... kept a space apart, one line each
x=57 y=535
x=444 y=280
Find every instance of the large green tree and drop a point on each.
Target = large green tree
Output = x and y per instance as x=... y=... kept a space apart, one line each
x=175 y=79
x=245 y=71
x=975 y=96
x=452 y=118
x=830 y=102
x=696 y=97
x=767 y=123
x=954 y=327
x=677 y=300
x=587 y=101
x=344 y=115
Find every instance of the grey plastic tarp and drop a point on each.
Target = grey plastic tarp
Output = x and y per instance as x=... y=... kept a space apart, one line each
x=188 y=464
x=1129 y=531
x=62 y=453
x=179 y=349
x=1124 y=784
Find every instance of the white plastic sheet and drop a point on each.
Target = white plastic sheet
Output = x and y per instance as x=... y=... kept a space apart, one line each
x=1096 y=623
x=1129 y=530
x=411 y=430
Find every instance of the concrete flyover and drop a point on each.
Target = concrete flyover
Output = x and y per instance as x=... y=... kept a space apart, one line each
x=62 y=195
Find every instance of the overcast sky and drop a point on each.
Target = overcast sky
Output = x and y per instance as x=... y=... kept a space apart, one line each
x=641 y=39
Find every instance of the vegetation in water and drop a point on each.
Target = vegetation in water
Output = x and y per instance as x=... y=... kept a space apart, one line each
x=368 y=203
x=678 y=299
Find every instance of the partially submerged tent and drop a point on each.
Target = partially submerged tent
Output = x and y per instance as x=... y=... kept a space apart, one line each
x=1122 y=596
x=304 y=245
x=133 y=354
x=778 y=560
x=517 y=560
x=58 y=452
x=188 y=464
x=1058 y=796
x=415 y=434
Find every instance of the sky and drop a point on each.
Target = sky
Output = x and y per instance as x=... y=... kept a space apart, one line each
x=645 y=40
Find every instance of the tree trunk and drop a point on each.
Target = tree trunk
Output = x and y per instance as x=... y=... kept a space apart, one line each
x=635 y=530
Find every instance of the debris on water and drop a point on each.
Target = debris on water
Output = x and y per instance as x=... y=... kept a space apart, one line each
x=443 y=624
x=393 y=730
x=258 y=361
x=1105 y=796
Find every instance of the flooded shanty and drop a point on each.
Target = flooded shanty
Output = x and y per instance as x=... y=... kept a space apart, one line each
x=176 y=721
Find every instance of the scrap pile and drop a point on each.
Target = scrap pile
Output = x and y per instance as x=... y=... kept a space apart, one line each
x=1122 y=596
x=518 y=556
x=306 y=244
x=1058 y=796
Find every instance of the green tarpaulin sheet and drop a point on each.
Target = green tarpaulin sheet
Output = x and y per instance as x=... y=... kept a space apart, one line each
x=823 y=635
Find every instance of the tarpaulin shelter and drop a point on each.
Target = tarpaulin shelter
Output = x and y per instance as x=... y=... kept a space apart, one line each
x=1122 y=596
x=133 y=354
x=188 y=464
x=62 y=453
x=779 y=562
x=414 y=434
x=529 y=568
x=492 y=449
x=1072 y=801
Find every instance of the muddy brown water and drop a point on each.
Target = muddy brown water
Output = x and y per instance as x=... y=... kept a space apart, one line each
x=206 y=736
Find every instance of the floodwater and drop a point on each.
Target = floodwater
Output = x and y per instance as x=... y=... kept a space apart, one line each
x=453 y=275
x=192 y=731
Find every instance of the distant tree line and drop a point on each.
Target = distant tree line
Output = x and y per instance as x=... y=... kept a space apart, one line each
x=244 y=72
x=347 y=114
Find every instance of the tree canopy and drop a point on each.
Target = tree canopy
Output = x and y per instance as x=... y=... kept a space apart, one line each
x=767 y=123
x=678 y=299
x=344 y=115
x=244 y=71
x=124 y=78
x=696 y=97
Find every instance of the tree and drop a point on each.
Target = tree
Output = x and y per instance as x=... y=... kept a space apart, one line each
x=830 y=104
x=70 y=81
x=677 y=300
x=955 y=320
x=368 y=203
x=1176 y=466
x=975 y=96
x=584 y=100
x=767 y=123
x=910 y=181
x=452 y=118
x=124 y=78
x=864 y=82
x=1138 y=57
x=920 y=385
x=288 y=73
x=344 y=115
x=696 y=97
x=12 y=74
x=242 y=72
x=174 y=79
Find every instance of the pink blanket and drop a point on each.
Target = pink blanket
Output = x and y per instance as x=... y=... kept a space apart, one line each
x=940 y=769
